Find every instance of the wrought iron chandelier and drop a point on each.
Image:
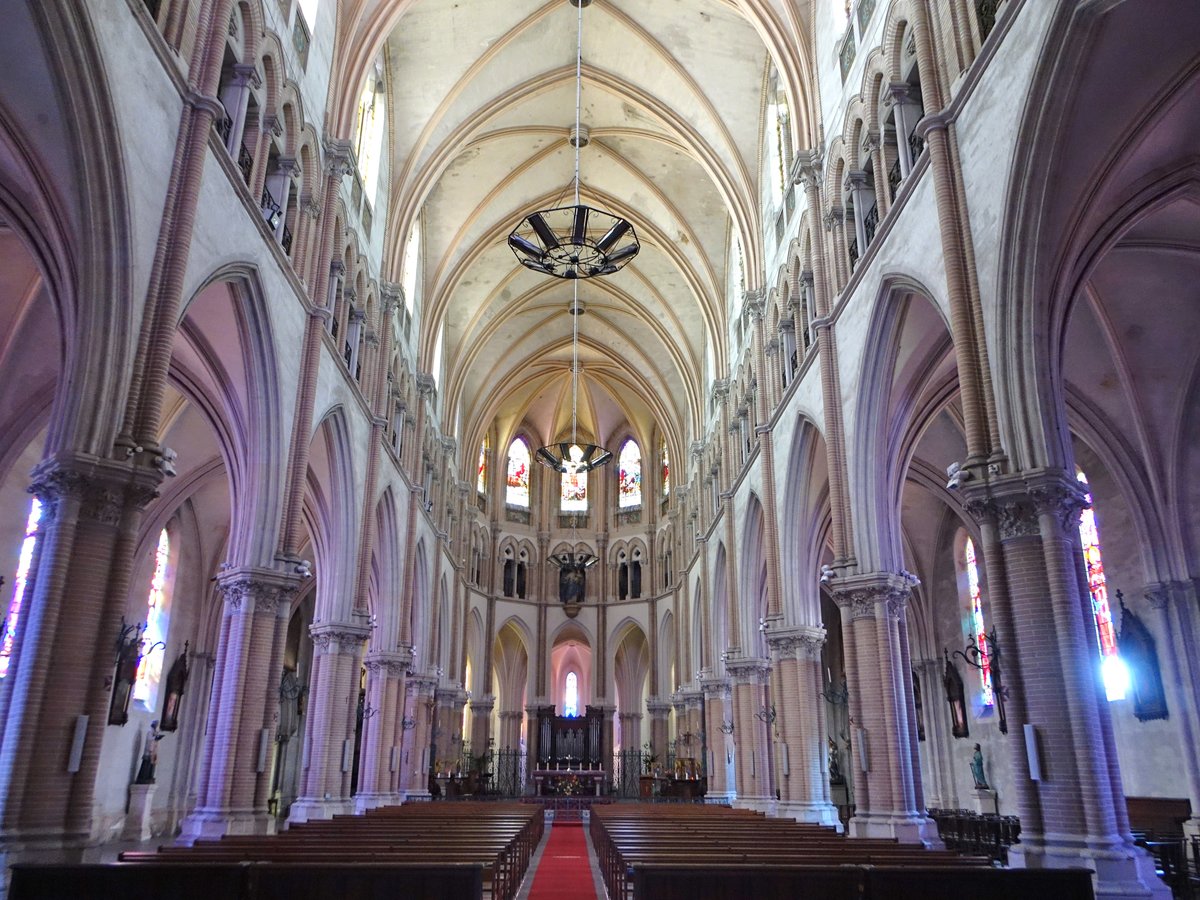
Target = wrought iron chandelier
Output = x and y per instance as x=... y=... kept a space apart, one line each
x=574 y=241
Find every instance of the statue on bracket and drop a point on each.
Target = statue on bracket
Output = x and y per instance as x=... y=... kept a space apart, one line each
x=981 y=783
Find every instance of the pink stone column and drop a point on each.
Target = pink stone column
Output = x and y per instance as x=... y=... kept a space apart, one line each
x=801 y=722
x=887 y=786
x=233 y=786
x=750 y=677
x=716 y=711
x=1046 y=638
x=375 y=787
x=325 y=791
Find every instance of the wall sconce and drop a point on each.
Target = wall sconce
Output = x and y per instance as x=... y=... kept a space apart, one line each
x=974 y=656
x=956 y=697
x=408 y=723
x=726 y=727
x=767 y=714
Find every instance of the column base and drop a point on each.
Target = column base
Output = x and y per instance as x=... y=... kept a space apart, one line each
x=137 y=820
x=363 y=802
x=308 y=808
x=1120 y=870
x=810 y=813
x=721 y=797
x=205 y=824
x=764 y=805
x=910 y=829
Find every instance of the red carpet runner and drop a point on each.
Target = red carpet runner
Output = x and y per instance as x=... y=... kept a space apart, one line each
x=563 y=873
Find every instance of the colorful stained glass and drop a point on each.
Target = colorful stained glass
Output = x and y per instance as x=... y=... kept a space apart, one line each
x=666 y=473
x=1116 y=676
x=14 y=606
x=977 y=627
x=517 y=490
x=481 y=478
x=629 y=465
x=571 y=696
x=150 y=669
x=573 y=494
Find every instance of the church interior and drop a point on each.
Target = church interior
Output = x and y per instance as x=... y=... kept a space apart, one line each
x=609 y=409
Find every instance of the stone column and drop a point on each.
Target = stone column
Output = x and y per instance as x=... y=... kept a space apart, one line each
x=510 y=729
x=886 y=784
x=338 y=646
x=235 y=97
x=631 y=730
x=234 y=780
x=60 y=675
x=385 y=678
x=752 y=734
x=658 y=711
x=481 y=722
x=1072 y=812
x=800 y=721
x=422 y=711
x=718 y=731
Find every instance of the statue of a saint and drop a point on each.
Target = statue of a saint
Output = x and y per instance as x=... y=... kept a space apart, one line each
x=977 y=770
x=145 y=773
x=570 y=582
x=835 y=764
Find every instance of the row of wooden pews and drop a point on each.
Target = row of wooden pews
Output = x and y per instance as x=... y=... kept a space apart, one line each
x=692 y=852
x=422 y=851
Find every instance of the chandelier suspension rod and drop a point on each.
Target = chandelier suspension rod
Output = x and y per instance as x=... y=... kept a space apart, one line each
x=578 y=92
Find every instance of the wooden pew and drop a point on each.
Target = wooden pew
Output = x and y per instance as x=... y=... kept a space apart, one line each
x=245 y=881
x=704 y=881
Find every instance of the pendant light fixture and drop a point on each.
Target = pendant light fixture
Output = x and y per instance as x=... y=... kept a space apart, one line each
x=575 y=241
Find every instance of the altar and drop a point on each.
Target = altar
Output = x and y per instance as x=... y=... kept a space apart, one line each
x=568 y=782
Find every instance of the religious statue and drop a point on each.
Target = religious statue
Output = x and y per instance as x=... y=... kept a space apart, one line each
x=570 y=582
x=977 y=770
x=835 y=764
x=145 y=773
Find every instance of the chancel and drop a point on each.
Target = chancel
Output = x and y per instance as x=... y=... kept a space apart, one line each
x=764 y=432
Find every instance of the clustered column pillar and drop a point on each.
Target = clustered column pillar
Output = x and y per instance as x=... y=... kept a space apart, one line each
x=1069 y=799
x=337 y=659
x=232 y=784
x=751 y=735
x=717 y=731
x=377 y=763
x=658 y=710
x=887 y=785
x=803 y=770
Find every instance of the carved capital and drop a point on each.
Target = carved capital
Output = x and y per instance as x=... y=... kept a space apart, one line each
x=806 y=169
x=1061 y=498
x=869 y=596
x=339 y=159
x=336 y=638
x=259 y=592
x=748 y=669
x=103 y=489
x=802 y=642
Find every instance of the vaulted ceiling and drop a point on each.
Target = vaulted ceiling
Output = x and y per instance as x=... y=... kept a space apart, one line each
x=482 y=103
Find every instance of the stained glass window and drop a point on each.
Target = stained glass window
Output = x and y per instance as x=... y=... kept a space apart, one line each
x=629 y=464
x=573 y=495
x=978 y=630
x=517 y=492
x=14 y=606
x=150 y=668
x=481 y=478
x=571 y=696
x=666 y=472
x=1113 y=670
